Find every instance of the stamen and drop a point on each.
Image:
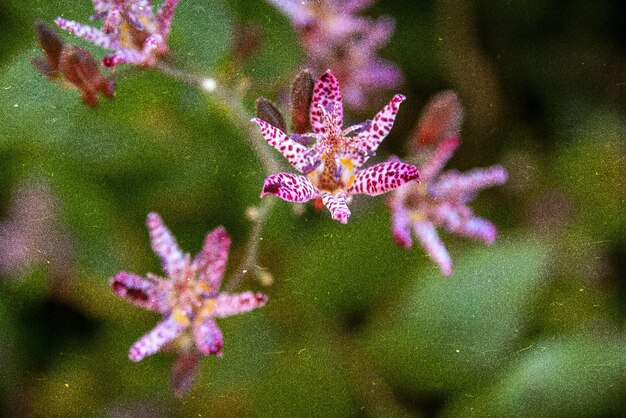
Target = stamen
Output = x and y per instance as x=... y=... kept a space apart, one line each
x=311 y=168
x=338 y=171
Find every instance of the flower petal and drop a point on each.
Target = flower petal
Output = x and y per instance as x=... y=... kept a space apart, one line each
x=289 y=187
x=383 y=177
x=459 y=220
x=327 y=94
x=139 y=291
x=92 y=35
x=453 y=183
x=165 y=16
x=427 y=235
x=208 y=336
x=365 y=144
x=442 y=154
x=297 y=154
x=211 y=261
x=184 y=373
x=165 y=246
x=237 y=303
x=337 y=206
x=400 y=222
x=164 y=332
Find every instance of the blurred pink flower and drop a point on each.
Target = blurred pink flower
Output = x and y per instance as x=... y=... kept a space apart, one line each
x=334 y=36
x=441 y=199
x=130 y=28
x=332 y=166
x=189 y=299
x=32 y=234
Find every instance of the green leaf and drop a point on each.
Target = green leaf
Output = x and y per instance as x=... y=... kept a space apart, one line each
x=451 y=333
x=564 y=377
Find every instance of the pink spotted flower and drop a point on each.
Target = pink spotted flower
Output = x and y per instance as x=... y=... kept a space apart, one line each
x=129 y=28
x=442 y=198
x=332 y=166
x=189 y=297
x=335 y=35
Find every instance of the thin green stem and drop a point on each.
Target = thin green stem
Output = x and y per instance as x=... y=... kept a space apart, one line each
x=233 y=101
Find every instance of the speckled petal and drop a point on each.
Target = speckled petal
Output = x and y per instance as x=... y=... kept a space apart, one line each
x=92 y=35
x=327 y=94
x=139 y=291
x=289 y=187
x=459 y=220
x=211 y=261
x=208 y=336
x=296 y=153
x=165 y=16
x=366 y=143
x=165 y=246
x=439 y=158
x=400 y=223
x=382 y=178
x=453 y=183
x=238 y=303
x=426 y=233
x=164 y=332
x=337 y=206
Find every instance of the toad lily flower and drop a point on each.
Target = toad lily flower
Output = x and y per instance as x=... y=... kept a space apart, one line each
x=441 y=199
x=332 y=166
x=189 y=300
x=129 y=28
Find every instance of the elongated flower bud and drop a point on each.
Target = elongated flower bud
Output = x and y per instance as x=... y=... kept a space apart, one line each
x=301 y=96
x=269 y=113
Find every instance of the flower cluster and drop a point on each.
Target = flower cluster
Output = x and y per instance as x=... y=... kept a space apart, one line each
x=335 y=36
x=72 y=65
x=441 y=199
x=189 y=298
x=130 y=29
x=332 y=166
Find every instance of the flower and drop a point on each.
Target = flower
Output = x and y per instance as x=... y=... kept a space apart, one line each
x=441 y=199
x=334 y=36
x=71 y=65
x=129 y=28
x=332 y=166
x=188 y=299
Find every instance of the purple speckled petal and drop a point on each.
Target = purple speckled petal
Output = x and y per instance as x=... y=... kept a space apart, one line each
x=337 y=206
x=400 y=222
x=326 y=95
x=453 y=183
x=238 y=303
x=139 y=291
x=296 y=153
x=208 y=336
x=165 y=246
x=439 y=158
x=382 y=178
x=366 y=143
x=210 y=263
x=426 y=233
x=93 y=35
x=165 y=16
x=164 y=332
x=290 y=187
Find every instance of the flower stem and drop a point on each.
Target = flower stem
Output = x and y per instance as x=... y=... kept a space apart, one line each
x=233 y=101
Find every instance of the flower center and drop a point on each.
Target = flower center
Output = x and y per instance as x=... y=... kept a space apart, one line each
x=190 y=296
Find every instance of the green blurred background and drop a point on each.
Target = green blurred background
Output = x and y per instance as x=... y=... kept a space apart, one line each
x=355 y=326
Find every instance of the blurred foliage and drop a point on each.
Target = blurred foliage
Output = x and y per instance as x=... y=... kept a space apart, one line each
x=355 y=326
